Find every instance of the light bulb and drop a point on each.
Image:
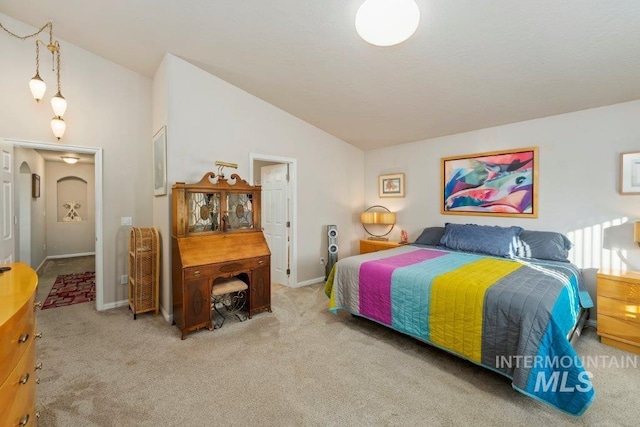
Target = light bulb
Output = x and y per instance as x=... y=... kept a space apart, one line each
x=387 y=22
x=58 y=126
x=59 y=104
x=37 y=87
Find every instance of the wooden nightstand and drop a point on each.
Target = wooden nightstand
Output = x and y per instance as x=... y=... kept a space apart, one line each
x=619 y=309
x=367 y=245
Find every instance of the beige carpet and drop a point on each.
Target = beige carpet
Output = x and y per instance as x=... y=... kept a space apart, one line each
x=297 y=366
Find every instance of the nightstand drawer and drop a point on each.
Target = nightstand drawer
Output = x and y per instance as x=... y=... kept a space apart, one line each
x=367 y=246
x=629 y=331
x=619 y=289
x=622 y=310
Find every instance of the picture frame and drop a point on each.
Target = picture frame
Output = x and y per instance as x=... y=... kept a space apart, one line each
x=160 y=162
x=35 y=185
x=629 y=182
x=497 y=183
x=391 y=185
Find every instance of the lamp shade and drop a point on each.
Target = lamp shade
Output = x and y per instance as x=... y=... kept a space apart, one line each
x=385 y=218
x=636 y=231
x=59 y=104
x=58 y=126
x=387 y=22
x=38 y=87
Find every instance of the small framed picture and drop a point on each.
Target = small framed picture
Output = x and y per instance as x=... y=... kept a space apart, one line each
x=391 y=185
x=160 y=162
x=35 y=185
x=630 y=173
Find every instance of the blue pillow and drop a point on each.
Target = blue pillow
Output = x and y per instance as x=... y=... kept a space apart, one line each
x=430 y=236
x=485 y=239
x=546 y=245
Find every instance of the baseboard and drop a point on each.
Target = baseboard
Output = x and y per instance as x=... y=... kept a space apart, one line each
x=70 y=255
x=310 y=282
x=110 y=305
x=167 y=316
x=41 y=264
x=63 y=256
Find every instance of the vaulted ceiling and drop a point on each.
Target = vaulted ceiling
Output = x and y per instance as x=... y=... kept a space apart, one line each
x=470 y=64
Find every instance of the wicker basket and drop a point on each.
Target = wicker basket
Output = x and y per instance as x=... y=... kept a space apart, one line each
x=144 y=270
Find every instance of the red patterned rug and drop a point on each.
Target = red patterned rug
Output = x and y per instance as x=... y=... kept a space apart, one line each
x=71 y=289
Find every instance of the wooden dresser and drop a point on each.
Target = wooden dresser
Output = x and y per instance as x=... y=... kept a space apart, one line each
x=17 y=346
x=619 y=309
x=216 y=235
x=367 y=245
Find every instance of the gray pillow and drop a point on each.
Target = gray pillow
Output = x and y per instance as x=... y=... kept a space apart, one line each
x=485 y=239
x=547 y=245
x=430 y=236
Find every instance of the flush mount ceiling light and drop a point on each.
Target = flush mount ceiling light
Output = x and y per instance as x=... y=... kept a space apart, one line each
x=387 y=22
x=37 y=85
x=70 y=159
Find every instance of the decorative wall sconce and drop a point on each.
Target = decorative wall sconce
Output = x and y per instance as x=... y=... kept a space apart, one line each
x=222 y=165
x=378 y=215
x=37 y=85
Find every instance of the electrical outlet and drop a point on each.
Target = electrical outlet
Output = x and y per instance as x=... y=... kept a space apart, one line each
x=126 y=220
x=124 y=279
x=321 y=260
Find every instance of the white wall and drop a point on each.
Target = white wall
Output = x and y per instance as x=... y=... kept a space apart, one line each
x=69 y=238
x=109 y=107
x=37 y=206
x=161 y=204
x=209 y=119
x=578 y=180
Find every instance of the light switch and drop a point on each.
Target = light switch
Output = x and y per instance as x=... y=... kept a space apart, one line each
x=126 y=220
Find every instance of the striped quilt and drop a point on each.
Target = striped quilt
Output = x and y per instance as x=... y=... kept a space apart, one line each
x=511 y=316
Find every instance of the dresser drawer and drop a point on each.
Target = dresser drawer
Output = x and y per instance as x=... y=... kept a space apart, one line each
x=622 y=329
x=18 y=393
x=15 y=336
x=622 y=310
x=230 y=268
x=620 y=290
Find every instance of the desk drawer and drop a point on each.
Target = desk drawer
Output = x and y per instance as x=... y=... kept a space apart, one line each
x=225 y=269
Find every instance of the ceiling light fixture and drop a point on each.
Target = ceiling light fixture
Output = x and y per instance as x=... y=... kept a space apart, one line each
x=70 y=159
x=37 y=85
x=387 y=22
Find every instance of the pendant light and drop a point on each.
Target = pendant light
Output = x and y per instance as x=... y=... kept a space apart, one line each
x=37 y=85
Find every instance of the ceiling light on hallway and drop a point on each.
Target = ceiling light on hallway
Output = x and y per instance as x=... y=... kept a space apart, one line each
x=70 y=159
x=387 y=22
x=38 y=86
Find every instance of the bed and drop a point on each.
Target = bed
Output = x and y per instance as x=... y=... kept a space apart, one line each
x=512 y=314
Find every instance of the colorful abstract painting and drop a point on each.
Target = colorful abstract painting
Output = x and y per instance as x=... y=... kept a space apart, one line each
x=499 y=183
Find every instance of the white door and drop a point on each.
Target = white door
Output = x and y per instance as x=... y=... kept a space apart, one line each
x=6 y=203
x=275 y=201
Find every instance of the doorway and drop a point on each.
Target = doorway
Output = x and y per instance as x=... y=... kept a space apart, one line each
x=277 y=175
x=97 y=153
